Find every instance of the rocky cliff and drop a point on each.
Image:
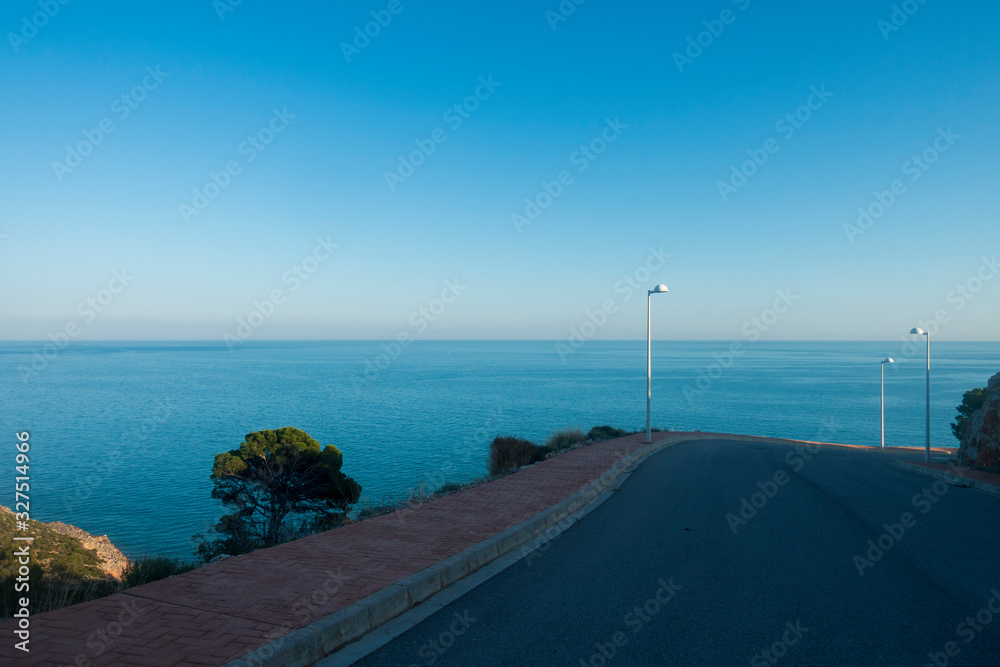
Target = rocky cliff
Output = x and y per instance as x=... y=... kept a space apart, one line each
x=112 y=560
x=107 y=557
x=981 y=441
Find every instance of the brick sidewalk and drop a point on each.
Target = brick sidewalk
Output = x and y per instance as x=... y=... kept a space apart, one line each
x=987 y=481
x=221 y=611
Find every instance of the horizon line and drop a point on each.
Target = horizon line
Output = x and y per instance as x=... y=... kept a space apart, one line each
x=479 y=340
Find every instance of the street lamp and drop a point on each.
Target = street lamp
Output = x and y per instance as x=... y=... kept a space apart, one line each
x=887 y=360
x=917 y=331
x=659 y=289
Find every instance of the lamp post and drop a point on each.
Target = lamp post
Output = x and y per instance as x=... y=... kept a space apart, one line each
x=649 y=358
x=917 y=331
x=887 y=360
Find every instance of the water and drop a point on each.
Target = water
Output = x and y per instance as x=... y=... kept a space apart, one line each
x=123 y=434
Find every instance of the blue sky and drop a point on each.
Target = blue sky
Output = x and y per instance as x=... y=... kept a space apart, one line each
x=337 y=124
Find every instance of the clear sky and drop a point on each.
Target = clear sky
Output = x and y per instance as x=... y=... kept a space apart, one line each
x=311 y=117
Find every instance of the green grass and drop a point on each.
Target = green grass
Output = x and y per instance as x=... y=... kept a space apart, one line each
x=452 y=487
x=65 y=555
x=368 y=509
x=63 y=572
x=153 y=568
x=564 y=438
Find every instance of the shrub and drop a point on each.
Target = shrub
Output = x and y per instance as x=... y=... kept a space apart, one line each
x=145 y=570
x=389 y=503
x=62 y=571
x=278 y=485
x=567 y=437
x=449 y=487
x=971 y=401
x=599 y=433
x=50 y=592
x=54 y=587
x=508 y=452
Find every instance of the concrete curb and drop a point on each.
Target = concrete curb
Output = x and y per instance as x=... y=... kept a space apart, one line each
x=321 y=638
x=947 y=475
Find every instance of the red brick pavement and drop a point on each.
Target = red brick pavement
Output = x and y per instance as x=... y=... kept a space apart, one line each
x=223 y=610
x=990 y=478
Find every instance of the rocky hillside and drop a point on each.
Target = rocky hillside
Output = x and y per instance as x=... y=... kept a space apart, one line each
x=981 y=441
x=63 y=549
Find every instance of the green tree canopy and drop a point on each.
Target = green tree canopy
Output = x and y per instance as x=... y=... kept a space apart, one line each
x=278 y=484
x=972 y=401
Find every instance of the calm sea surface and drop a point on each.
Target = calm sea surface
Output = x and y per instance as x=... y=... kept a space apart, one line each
x=123 y=435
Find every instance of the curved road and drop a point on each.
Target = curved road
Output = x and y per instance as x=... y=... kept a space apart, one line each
x=667 y=572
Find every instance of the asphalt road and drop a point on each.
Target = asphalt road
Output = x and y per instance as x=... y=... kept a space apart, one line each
x=663 y=573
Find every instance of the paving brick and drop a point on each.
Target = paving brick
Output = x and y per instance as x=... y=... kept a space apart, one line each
x=222 y=611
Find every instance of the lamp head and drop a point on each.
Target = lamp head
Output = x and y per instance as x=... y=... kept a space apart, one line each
x=888 y=360
x=658 y=289
x=917 y=331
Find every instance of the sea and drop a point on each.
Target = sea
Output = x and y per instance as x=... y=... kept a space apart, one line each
x=123 y=435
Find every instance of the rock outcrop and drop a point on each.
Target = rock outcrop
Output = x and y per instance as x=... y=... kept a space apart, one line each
x=980 y=445
x=112 y=561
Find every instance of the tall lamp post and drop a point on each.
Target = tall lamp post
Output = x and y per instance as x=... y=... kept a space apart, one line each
x=887 y=360
x=659 y=289
x=917 y=331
